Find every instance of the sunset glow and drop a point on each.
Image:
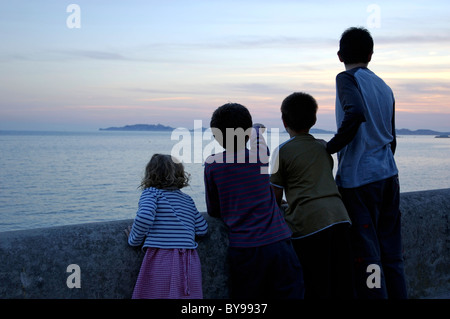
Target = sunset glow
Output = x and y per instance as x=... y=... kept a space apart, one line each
x=173 y=62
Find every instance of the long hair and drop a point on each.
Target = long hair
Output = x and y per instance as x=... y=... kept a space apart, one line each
x=164 y=173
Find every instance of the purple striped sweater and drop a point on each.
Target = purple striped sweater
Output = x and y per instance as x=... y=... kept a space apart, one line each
x=243 y=197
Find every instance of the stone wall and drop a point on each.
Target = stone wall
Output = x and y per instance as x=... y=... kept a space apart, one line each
x=34 y=263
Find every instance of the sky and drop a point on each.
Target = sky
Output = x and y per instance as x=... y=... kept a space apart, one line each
x=115 y=63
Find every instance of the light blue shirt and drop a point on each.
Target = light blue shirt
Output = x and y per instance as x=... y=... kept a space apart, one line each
x=368 y=157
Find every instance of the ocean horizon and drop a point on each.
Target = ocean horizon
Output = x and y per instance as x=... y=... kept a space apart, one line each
x=54 y=178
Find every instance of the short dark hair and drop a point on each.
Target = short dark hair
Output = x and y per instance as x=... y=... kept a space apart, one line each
x=356 y=45
x=233 y=116
x=298 y=111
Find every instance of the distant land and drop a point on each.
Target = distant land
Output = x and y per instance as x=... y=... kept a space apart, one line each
x=160 y=127
x=140 y=127
x=405 y=131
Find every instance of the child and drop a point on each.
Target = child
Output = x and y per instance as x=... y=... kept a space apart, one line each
x=166 y=223
x=316 y=214
x=263 y=263
x=367 y=175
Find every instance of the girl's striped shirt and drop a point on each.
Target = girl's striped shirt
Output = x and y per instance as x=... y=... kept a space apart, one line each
x=166 y=219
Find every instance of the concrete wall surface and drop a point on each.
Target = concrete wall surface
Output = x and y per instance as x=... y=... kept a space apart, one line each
x=36 y=263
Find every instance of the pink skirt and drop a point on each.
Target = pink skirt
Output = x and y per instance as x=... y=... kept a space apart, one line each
x=169 y=274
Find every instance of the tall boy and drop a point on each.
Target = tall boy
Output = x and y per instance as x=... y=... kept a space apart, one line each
x=367 y=175
x=263 y=263
x=316 y=214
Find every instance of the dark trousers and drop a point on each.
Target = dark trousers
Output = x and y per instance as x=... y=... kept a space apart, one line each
x=376 y=239
x=270 y=271
x=327 y=263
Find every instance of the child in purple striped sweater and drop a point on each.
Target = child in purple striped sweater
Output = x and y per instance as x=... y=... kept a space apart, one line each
x=263 y=263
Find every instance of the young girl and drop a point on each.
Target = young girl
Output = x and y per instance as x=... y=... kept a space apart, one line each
x=166 y=223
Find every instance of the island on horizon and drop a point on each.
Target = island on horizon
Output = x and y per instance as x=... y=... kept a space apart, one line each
x=164 y=128
x=160 y=127
x=139 y=127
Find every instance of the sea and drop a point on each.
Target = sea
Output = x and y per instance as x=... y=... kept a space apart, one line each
x=60 y=178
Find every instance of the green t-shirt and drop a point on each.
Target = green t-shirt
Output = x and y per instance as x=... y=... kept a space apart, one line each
x=304 y=169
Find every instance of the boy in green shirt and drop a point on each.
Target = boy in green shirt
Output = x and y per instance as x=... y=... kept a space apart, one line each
x=316 y=215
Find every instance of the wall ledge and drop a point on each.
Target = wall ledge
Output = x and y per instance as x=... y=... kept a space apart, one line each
x=34 y=262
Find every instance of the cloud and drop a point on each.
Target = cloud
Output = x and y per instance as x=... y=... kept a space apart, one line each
x=261 y=88
x=158 y=91
x=172 y=98
x=95 y=54
x=421 y=86
x=258 y=42
x=414 y=39
x=61 y=55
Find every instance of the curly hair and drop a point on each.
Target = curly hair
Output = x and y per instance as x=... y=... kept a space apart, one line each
x=164 y=172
